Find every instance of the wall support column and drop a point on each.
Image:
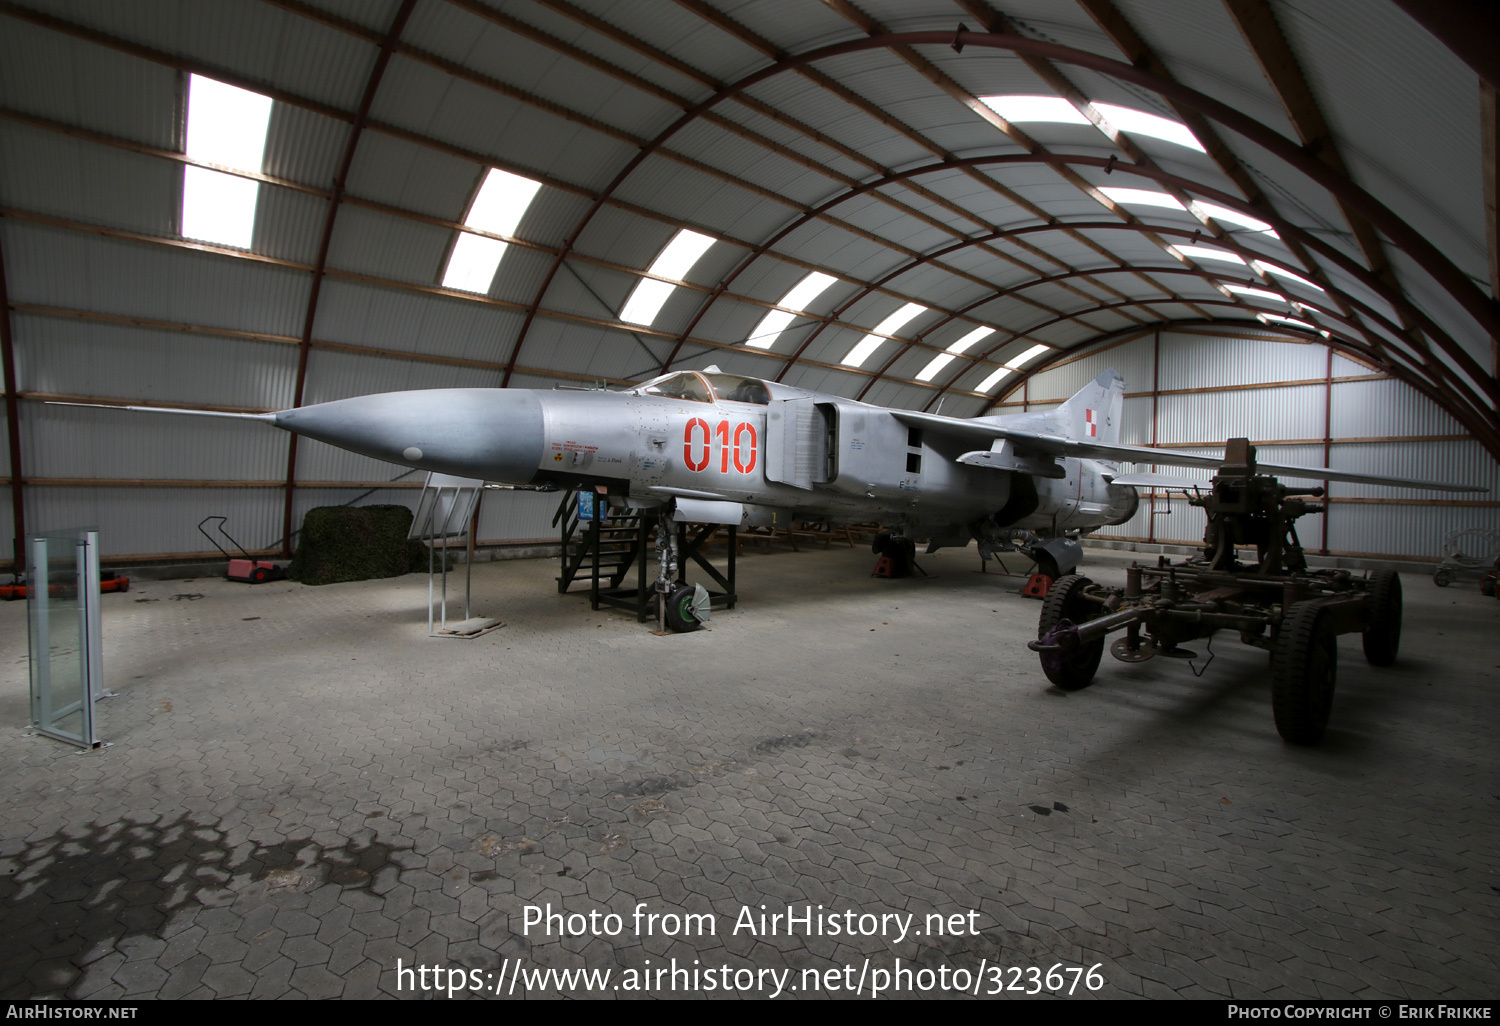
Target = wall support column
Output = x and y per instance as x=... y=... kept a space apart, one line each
x=1327 y=446
x=12 y=426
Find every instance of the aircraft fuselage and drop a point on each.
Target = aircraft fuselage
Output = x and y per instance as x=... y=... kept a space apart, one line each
x=791 y=455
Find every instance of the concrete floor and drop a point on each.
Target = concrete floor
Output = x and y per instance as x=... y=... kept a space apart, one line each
x=303 y=788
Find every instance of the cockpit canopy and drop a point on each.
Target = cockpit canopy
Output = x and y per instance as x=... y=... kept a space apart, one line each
x=706 y=387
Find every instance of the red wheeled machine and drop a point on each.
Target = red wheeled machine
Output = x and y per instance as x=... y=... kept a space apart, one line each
x=108 y=581
x=246 y=568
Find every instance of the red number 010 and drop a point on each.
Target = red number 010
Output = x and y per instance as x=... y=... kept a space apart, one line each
x=735 y=445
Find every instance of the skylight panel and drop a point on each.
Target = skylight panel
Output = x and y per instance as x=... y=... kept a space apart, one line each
x=806 y=290
x=1142 y=198
x=769 y=329
x=227 y=126
x=1138 y=122
x=1245 y=290
x=1035 y=108
x=502 y=200
x=946 y=357
x=675 y=261
x=1282 y=272
x=218 y=208
x=1269 y=318
x=1028 y=356
x=966 y=343
x=995 y=378
x=681 y=254
x=473 y=262
x=1209 y=253
x=1055 y=109
x=1012 y=367
x=871 y=342
x=1226 y=216
x=497 y=208
x=799 y=298
x=934 y=365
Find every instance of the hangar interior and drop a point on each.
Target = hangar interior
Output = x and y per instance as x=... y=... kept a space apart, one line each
x=1276 y=219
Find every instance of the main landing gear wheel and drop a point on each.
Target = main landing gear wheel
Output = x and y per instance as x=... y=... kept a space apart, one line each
x=680 y=610
x=1073 y=670
x=1304 y=668
x=1383 y=637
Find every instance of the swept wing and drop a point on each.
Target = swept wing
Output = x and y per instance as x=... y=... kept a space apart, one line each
x=1032 y=445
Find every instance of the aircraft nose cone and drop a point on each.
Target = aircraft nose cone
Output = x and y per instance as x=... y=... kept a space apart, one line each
x=489 y=433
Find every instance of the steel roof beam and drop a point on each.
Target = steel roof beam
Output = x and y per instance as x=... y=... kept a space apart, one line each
x=574 y=117
x=934 y=75
x=284 y=96
x=624 y=39
x=168 y=60
x=1433 y=262
x=1284 y=228
x=1489 y=135
x=419 y=217
x=1123 y=35
x=1482 y=309
x=407 y=286
x=1466 y=27
x=12 y=425
x=1477 y=424
x=1269 y=46
x=340 y=181
x=728 y=25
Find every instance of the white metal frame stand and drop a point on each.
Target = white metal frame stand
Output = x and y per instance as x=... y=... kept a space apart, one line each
x=444 y=514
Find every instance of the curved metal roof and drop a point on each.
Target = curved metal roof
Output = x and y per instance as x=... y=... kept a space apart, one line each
x=843 y=137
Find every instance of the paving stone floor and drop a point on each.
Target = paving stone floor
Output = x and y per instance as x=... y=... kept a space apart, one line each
x=303 y=788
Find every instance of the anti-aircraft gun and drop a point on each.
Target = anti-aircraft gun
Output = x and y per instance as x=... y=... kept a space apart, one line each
x=1276 y=603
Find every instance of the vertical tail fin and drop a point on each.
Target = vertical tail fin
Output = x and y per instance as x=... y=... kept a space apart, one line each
x=1095 y=412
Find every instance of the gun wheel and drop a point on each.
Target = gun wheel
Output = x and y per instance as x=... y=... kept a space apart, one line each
x=1383 y=638
x=1304 y=668
x=1073 y=670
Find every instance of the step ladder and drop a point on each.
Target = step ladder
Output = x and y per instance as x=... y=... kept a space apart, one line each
x=598 y=544
x=601 y=546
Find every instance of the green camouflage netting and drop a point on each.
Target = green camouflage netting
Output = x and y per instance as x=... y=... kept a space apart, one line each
x=355 y=543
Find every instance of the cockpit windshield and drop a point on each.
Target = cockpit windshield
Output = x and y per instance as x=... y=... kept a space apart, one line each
x=735 y=389
x=683 y=385
x=695 y=387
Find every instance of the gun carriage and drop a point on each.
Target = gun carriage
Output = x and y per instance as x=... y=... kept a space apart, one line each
x=1276 y=603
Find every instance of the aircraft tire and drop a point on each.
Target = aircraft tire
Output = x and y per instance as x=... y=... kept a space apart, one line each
x=1065 y=601
x=680 y=610
x=881 y=540
x=1383 y=638
x=1304 y=670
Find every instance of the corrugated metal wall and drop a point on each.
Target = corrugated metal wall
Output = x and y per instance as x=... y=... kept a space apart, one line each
x=109 y=302
x=1207 y=392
